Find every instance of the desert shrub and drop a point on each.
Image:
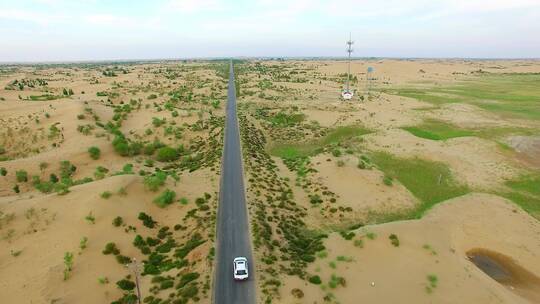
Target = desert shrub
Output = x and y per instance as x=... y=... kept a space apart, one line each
x=83 y=243
x=106 y=194
x=68 y=264
x=44 y=187
x=3 y=171
x=151 y=96
x=394 y=240
x=336 y=152
x=166 y=154
x=297 y=293
x=94 y=152
x=147 y=220
x=118 y=221
x=67 y=169
x=122 y=259
x=53 y=178
x=183 y=251
x=359 y=243
x=166 y=284
x=154 y=181
x=16 y=189
x=315 y=199
x=190 y=291
x=111 y=248
x=347 y=235
x=21 y=175
x=125 y=284
x=340 y=163
x=90 y=218
x=315 y=280
x=186 y=278
x=371 y=235
x=387 y=180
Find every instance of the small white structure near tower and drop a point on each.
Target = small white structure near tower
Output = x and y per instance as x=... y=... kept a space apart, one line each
x=348 y=94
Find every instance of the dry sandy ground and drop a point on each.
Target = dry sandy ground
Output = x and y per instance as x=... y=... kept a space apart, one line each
x=475 y=221
x=382 y=273
x=45 y=226
x=57 y=225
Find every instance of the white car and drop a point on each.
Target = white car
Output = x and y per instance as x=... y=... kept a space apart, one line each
x=240 y=268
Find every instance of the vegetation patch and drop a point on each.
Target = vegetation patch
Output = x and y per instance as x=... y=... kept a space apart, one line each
x=431 y=182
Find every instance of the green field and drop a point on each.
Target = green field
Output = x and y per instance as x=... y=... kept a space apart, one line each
x=509 y=95
x=310 y=148
x=431 y=182
x=440 y=130
x=525 y=192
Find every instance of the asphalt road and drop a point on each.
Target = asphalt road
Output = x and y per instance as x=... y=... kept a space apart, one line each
x=232 y=223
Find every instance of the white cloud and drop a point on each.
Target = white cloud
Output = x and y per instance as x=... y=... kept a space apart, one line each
x=192 y=6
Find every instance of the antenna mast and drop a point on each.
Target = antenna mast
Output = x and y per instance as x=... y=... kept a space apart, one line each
x=349 y=50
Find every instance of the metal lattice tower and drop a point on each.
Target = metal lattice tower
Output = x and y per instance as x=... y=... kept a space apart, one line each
x=349 y=50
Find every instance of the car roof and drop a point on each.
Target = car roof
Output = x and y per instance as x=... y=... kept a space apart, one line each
x=240 y=259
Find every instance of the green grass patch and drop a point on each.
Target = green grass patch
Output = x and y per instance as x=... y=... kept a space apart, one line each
x=431 y=182
x=295 y=150
x=438 y=130
x=525 y=192
x=512 y=95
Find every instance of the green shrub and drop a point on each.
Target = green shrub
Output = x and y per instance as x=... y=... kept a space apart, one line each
x=166 y=154
x=68 y=264
x=315 y=280
x=125 y=284
x=147 y=220
x=387 y=180
x=117 y=221
x=16 y=189
x=166 y=198
x=3 y=171
x=22 y=176
x=94 y=152
x=394 y=240
x=111 y=248
x=122 y=259
x=153 y=182
x=106 y=194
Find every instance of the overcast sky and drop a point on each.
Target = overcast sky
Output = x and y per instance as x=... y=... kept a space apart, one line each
x=65 y=30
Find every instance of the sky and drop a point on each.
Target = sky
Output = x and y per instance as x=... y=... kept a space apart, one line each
x=74 y=30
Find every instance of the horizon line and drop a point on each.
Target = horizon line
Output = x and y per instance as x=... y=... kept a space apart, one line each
x=209 y=58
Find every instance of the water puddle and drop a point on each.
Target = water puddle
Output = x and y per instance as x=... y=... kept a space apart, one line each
x=507 y=272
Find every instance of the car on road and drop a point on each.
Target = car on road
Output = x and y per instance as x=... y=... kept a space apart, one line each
x=240 y=269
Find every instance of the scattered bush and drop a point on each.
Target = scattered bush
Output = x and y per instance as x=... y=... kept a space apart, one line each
x=153 y=182
x=3 y=171
x=315 y=280
x=95 y=153
x=117 y=221
x=166 y=198
x=22 y=176
x=166 y=154
x=297 y=293
x=106 y=194
x=147 y=220
x=90 y=218
x=394 y=240
x=125 y=284
x=68 y=264
x=111 y=248
x=387 y=180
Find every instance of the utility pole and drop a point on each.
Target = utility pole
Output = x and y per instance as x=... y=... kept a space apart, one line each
x=136 y=268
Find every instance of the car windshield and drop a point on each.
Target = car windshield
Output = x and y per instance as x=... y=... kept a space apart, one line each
x=241 y=272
